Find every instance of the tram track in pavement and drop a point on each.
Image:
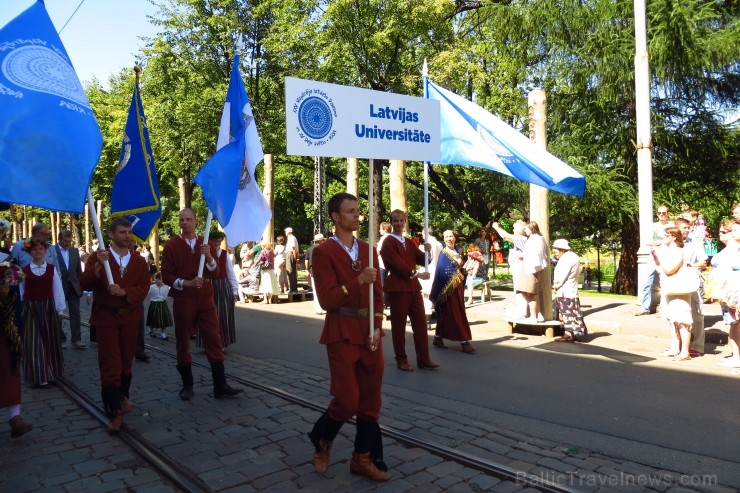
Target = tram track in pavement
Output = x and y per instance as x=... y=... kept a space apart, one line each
x=187 y=481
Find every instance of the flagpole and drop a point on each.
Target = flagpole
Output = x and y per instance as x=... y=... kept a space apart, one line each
x=206 y=233
x=98 y=233
x=371 y=242
x=426 y=177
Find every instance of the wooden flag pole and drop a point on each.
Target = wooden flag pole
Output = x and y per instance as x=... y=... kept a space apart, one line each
x=98 y=233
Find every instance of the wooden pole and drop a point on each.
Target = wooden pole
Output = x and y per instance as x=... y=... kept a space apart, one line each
x=267 y=190
x=539 y=209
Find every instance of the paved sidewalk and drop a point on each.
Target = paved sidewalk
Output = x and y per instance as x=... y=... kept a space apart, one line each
x=258 y=442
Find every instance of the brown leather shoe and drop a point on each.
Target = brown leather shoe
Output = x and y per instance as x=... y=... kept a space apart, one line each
x=19 y=427
x=125 y=405
x=116 y=422
x=405 y=366
x=439 y=342
x=429 y=365
x=322 y=456
x=362 y=464
x=467 y=348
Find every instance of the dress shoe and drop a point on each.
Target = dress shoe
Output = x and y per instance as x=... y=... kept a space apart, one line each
x=79 y=345
x=467 y=348
x=116 y=421
x=64 y=345
x=19 y=427
x=125 y=405
x=405 y=366
x=142 y=357
x=362 y=464
x=429 y=365
x=186 y=393
x=439 y=342
x=322 y=456
x=225 y=390
x=44 y=385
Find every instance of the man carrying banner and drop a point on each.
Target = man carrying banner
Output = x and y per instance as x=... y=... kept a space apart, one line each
x=343 y=281
x=193 y=304
x=116 y=315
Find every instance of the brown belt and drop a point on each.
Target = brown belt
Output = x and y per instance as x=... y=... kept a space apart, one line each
x=116 y=311
x=351 y=312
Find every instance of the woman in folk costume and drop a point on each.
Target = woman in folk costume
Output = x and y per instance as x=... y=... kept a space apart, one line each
x=42 y=308
x=268 y=279
x=225 y=291
x=448 y=296
x=159 y=315
x=10 y=342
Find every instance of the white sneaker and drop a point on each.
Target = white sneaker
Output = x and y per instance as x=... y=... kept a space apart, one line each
x=540 y=318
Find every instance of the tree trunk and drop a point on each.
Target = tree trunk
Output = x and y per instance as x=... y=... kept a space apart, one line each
x=625 y=279
x=378 y=166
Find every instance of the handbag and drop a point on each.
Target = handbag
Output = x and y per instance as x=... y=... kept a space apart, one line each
x=683 y=282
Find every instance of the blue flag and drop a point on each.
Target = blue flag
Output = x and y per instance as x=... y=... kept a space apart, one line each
x=135 y=194
x=227 y=178
x=50 y=140
x=472 y=136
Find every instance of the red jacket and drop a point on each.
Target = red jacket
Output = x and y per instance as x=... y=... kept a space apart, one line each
x=401 y=264
x=180 y=262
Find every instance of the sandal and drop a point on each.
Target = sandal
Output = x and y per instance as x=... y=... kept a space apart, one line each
x=564 y=339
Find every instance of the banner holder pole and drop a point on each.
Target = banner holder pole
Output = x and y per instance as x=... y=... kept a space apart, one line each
x=206 y=234
x=371 y=242
x=98 y=232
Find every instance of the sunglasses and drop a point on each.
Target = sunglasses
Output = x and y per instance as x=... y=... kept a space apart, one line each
x=662 y=213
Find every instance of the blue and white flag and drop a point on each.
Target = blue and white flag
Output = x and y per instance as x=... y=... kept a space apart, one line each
x=50 y=140
x=135 y=194
x=472 y=136
x=227 y=179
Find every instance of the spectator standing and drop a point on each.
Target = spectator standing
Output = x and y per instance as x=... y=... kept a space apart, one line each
x=651 y=281
x=725 y=268
x=40 y=232
x=193 y=304
x=483 y=242
x=41 y=311
x=449 y=298
x=536 y=259
x=70 y=270
x=669 y=260
x=516 y=256
x=695 y=256
x=268 y=279
x=344 y=281
x=401 y=257
x=280 y=267
x=292 y=249
x=434 y=253
x=318 y=239
x=472 y=267
x=565 y=285
x=117 y=314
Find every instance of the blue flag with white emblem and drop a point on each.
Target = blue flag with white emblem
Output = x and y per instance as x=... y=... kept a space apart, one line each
x=50 y=141
x=227 y=178
x=135 y=194
x=472 y=136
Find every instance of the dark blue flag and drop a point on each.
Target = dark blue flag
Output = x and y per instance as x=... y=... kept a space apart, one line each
x=135 y=194
x=50 y=140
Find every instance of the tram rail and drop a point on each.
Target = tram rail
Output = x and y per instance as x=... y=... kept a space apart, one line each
x=187 y=481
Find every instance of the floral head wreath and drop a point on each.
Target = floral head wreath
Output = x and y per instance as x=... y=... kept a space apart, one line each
x=32 y=242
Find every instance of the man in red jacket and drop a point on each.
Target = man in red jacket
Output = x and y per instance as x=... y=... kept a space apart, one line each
x=401 y=257
x=116 y=315
x=193 y=304
x=343 y=281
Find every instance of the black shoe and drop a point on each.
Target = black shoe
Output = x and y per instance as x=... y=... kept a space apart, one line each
x=142 y=357
x=639 y=314
x=187 y=393
x=225 y=390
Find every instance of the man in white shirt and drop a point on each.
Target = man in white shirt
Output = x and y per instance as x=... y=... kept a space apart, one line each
x=651 y=281
x=291 y=259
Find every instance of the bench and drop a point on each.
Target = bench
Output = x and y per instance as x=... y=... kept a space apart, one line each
x=297 y=296
x=545 y=328
x=486 y=294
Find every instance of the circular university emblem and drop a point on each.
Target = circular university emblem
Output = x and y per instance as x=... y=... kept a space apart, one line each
x=314 y=117
x=41 y=69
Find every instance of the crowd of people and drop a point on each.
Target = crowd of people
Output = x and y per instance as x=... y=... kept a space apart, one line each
x=412 y=280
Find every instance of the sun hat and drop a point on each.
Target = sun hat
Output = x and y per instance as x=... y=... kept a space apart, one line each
x=318 y=237
x=561 y=244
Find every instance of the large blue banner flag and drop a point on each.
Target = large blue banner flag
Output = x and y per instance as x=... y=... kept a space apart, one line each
x=472 y=136
x=50 y=140
x=135 y=193
x=227 y=178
